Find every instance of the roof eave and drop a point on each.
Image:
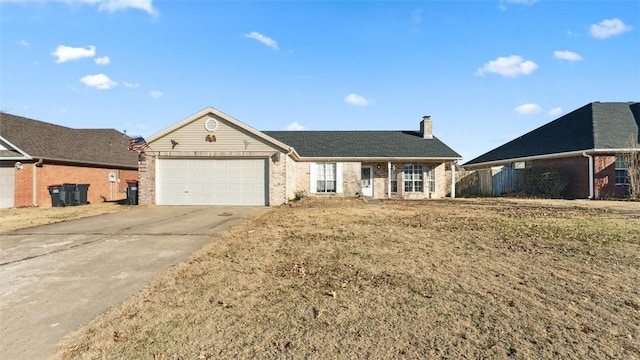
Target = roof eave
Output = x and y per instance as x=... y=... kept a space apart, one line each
x=371 y=159
x=25 y=156
x=545 y=157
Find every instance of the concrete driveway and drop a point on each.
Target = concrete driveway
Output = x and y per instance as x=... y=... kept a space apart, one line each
x=56 y=278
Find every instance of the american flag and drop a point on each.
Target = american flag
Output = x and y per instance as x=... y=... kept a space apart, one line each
x=138 y=144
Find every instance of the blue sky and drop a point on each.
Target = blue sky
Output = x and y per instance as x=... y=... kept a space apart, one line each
x=486 y=71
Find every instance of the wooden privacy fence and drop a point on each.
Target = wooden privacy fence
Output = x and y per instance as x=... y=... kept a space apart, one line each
x=487 y=182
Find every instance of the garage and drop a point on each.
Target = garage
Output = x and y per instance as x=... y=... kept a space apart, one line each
x=205 y=181
x=7 y=186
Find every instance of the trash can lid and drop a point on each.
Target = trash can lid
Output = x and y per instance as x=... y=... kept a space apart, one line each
x=131 y=180
x=54 y=185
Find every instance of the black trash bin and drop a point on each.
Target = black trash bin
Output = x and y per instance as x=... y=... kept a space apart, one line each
x=132 y=192
x=81 y=191
x=54 y=191
x=68 y=195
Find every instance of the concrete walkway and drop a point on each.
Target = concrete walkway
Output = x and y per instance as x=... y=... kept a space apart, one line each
x=56 y=278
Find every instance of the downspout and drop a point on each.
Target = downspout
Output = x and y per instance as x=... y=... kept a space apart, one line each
x=34 y=182
x=584 y=153
x=453 y=179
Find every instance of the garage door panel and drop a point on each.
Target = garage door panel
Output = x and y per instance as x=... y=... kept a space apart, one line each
x=211 y=181
x=7 y=187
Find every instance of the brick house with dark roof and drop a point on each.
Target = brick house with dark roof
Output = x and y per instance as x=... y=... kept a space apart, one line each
x=36 y=154
x=586 y=144
x=210 y=158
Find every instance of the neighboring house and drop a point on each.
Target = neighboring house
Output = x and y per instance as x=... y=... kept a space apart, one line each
x=211 y=158
x=585 y=144
x=35 y=155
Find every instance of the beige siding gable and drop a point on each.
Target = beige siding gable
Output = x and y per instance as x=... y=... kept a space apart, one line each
x=217 y=135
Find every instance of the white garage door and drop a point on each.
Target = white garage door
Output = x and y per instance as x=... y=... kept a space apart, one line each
x=211 y=182
x=7 y=187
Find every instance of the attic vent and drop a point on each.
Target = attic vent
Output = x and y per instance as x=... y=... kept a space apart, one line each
x=211 y=124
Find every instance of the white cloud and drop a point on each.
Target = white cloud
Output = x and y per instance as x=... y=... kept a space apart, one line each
x=67 y=53
x=567 y=55
x=608 y=28
x=511 y=66
x=155 y=94
x=526 y=109
x=355 y=99
x=556 y=111
x=23 y=42
x=99 y=81
x=103 y=5
x=115 y=5
x=130 y=85
x=263 y=39
x=295 y=126
x=102 y=60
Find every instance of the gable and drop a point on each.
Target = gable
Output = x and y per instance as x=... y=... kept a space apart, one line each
x=210 y=132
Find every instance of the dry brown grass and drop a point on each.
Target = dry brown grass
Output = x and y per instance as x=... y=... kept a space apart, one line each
x=437 y=279
x=20 y=218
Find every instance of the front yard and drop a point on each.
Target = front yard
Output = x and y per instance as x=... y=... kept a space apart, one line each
x=430 y=279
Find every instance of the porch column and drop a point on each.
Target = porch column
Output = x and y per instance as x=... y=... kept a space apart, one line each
x=388 y=179
x=453 y=179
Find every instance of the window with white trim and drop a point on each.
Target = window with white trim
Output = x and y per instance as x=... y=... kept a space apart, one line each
x=325 y=177
x=621 y=167
x=412 y=178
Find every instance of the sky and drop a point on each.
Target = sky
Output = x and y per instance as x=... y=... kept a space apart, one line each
x=486 y=71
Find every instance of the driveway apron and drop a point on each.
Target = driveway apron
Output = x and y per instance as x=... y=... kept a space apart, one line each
x=58 y=277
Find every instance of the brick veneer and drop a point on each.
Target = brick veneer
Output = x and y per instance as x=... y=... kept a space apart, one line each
x=100 y=189
x=577 y=169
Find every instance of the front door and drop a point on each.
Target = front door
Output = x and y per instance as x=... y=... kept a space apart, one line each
x=367 y=181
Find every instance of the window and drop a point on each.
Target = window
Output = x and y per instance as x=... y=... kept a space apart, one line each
x=393 y=178
x=325 y=177
x=412 y=178
x=622 y=177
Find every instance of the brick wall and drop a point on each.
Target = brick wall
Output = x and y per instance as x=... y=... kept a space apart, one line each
x=605 y=178
x=100 y=189
x=577 y=168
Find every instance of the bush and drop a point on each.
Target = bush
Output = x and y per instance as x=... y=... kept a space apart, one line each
x=544 y=182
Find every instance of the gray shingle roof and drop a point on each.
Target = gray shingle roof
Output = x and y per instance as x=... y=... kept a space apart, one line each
x=595 y=126
x=101 y=147
x=364 y=144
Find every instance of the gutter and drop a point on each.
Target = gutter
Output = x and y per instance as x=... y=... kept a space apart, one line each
x=502 y=162
x=584 y=153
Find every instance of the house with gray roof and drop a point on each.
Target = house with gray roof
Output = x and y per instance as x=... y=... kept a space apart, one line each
x=35 y=154
x=210 y=158
x=586 y=144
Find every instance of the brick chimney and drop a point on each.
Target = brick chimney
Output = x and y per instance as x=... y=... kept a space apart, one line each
x=426 y=128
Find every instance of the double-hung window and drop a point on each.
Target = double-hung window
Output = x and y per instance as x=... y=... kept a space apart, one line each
x=326 y=177
x=412 y=178
x=621 y=167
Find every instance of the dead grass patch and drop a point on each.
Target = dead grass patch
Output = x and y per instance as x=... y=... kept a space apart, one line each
x=437 y=279
x=20 y=218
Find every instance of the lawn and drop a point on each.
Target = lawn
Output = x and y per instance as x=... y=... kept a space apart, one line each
x=430 y=279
